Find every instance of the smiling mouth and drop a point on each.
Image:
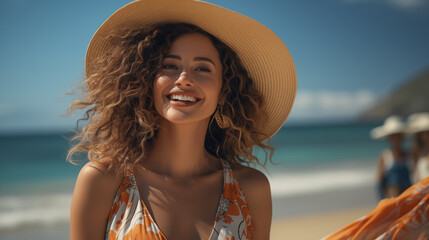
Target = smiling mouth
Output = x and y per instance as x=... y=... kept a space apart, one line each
x=183 y=98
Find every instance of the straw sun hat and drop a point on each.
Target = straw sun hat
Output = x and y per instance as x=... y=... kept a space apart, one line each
x=392 y=125
x=418 y=122
x=262 y=53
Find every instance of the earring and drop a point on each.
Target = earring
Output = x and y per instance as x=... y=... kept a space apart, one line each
x=220 y=122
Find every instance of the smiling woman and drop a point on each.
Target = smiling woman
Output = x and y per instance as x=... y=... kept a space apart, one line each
x=174 y=115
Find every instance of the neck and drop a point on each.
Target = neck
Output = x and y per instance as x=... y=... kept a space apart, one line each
x=179 y=151
x=397 y=152
x=396 y=147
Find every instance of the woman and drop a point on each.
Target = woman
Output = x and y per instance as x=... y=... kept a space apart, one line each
x=419 y=126
x=179 y=93
x=393 y=174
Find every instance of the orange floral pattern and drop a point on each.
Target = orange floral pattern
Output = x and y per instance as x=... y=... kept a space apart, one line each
x=129 y=219
x=233 y=220
x=403 y=217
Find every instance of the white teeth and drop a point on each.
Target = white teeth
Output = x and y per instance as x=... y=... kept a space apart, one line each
x=183 y=98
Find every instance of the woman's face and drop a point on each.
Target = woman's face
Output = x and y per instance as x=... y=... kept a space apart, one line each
x=187 y=87
x=396 y=139
x=424 y=136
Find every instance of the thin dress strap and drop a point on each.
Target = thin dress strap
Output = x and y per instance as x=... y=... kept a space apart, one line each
x=129 y=217
x=233 y=216
x=129 y=175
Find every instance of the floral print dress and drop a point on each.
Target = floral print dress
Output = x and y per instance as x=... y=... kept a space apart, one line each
x=130 y=219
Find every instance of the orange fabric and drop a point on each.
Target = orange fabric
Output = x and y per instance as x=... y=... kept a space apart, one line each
x=238 y=210
x=129 y=218
x=400 y=218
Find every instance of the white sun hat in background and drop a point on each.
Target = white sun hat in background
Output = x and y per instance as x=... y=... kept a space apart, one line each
x=392 y=125
x=418 y=122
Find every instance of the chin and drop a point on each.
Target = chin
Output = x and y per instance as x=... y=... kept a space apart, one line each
x=182 y=118
x=186 y=116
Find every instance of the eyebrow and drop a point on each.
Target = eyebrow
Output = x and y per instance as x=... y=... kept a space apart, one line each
x=195 y=59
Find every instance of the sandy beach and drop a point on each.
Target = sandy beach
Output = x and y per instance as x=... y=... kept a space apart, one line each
x=312 y=216
x=316 y=226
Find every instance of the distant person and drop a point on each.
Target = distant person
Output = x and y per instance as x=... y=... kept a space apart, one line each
x=393 y=173
x=418 y=124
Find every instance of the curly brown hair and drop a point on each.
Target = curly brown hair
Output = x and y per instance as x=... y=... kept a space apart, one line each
x=122 y=120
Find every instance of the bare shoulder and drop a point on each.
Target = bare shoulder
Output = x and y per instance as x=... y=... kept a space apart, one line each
x=94 y=179
x=97 y=171
x=94 y=176
x=92 y=200
x=254 y=185
x=251 y=179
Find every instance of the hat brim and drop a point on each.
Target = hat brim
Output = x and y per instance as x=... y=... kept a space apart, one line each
x=261 y=51
x=414 y=130
x=382 y=132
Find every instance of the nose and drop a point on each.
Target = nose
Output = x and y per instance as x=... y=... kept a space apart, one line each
x=184 y=80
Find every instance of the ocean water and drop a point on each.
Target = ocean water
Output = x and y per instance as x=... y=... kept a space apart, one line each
x=36 y=182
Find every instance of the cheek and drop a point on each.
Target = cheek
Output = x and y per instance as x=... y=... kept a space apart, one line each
x=158 y=83
x=158 y=87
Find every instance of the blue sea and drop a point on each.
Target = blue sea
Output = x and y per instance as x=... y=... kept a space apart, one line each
x=36 y=182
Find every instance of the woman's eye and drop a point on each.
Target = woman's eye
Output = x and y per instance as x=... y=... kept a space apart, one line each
x=169 y=66
x=203 y=69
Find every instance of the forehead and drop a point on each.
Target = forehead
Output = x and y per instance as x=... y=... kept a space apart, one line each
x=194 y=44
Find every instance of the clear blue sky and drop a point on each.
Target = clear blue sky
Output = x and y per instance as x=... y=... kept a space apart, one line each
x=348 y=53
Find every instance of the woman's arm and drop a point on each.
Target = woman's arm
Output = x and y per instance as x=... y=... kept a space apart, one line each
x=256 y=188
x=92 y=199
x=380 y=169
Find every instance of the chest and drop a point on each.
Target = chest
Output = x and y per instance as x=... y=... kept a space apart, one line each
x=182 y=209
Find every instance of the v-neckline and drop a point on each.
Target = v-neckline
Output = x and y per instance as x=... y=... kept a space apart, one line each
x=218 y=209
